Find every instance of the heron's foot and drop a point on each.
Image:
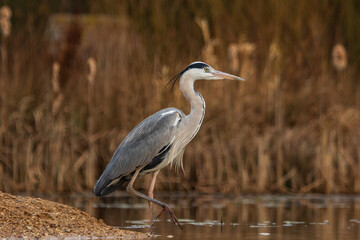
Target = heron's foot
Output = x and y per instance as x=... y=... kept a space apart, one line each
x=171 y=215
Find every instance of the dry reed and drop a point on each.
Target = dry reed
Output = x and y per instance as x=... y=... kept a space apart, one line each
x=292 y=126
x=91 y=162
x=5 y=27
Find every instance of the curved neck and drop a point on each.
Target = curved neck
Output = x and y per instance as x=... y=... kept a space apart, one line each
x=196 y=100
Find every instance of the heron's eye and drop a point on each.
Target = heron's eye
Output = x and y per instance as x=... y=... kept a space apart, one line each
x=206 y=69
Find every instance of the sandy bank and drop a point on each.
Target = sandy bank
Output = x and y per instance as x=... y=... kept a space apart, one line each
x=26 y=217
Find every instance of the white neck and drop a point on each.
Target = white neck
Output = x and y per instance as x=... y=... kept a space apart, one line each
x=197 y=102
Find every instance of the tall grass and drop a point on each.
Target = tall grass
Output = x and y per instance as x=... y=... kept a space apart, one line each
x=293 y=126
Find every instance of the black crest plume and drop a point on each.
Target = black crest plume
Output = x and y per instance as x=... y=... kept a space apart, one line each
x=175 y=79
x=199 y=65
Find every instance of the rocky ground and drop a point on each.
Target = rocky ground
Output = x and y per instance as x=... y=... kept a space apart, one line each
x=26 y=217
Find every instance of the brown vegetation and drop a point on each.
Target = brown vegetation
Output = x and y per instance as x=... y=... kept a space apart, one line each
x=294 y=125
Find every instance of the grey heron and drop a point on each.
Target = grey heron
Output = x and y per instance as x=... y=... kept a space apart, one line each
x=159 y=140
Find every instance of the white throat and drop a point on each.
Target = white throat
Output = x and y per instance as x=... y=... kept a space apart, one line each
x=195 y=117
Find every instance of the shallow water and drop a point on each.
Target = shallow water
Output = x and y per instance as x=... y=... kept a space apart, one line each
x=245 y=217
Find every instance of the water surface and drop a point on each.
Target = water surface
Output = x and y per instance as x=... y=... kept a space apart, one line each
x=205 y=216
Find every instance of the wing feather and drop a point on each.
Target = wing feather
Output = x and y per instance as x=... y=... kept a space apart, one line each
x=140 y=146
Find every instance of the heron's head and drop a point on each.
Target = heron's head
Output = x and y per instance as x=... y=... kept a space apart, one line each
x=202 y=71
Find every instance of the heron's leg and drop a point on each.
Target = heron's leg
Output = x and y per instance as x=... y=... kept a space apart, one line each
x=151 y=194
x=165 y=207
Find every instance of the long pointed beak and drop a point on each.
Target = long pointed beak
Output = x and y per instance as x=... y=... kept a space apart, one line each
x=222 y=75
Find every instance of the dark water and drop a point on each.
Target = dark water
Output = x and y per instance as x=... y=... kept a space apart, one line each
x=243 y=217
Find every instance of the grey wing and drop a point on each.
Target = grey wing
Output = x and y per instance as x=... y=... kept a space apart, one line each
x=141 y=145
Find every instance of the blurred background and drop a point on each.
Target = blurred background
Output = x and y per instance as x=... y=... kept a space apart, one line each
x=77 y=76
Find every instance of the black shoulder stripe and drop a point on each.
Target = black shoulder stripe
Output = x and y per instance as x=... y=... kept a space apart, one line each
x=158 y=158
